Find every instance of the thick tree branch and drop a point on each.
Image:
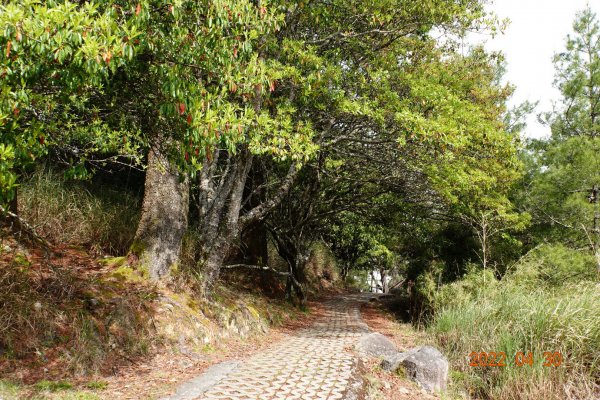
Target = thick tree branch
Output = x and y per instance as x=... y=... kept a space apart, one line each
x=257 y=267
x=259 y=212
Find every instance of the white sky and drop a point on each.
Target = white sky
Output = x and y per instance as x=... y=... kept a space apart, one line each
x=537 y=31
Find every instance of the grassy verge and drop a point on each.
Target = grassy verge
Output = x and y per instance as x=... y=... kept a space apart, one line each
x=481 y=314
x=49 y=390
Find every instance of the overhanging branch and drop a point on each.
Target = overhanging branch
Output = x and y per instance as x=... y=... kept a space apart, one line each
x=256 y=267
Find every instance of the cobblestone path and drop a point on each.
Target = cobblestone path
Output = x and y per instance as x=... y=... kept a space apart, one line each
x=312 y=364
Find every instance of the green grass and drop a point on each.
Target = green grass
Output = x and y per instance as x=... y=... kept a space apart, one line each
x=507 y=317
x=53 y=386
x=47 y=390
x=8 y=390
x=96 y=385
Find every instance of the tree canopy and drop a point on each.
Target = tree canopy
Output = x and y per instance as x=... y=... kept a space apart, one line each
x=337 y=120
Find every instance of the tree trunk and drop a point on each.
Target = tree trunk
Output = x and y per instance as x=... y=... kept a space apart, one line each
x=296 y=259
x=13 y=205
x=222 y=226
x=384 y=282
x=164 y=218
x=344 y=271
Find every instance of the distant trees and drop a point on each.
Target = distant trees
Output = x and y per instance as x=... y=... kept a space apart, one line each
x=564 y=170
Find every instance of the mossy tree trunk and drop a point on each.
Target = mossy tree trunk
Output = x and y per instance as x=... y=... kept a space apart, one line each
x=164 y=219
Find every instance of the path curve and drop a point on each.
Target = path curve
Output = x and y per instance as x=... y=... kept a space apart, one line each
x=314 y=363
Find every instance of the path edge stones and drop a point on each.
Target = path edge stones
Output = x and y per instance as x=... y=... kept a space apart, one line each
x=195 y=387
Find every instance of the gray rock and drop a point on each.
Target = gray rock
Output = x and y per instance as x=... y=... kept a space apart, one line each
x=428 y=367
x=391 y=362
x=377 y=345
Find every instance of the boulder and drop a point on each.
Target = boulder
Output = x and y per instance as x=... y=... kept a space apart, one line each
x=424 y=364
x=427 y=366
x=377 y=345
x=391 y=362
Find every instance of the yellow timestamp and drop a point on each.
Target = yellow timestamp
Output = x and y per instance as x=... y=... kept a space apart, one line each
x=521 y=359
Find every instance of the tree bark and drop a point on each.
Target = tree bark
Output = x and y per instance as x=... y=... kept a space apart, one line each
x=164 y=220
x=13 y=206
x=222 y=218
x=384 y=283
x=221 y=225
x=296 y=259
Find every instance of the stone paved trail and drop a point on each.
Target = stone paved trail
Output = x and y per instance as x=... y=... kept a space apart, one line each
x=312 y=364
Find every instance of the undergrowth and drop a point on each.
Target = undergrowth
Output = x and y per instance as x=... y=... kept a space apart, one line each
x=67 y=317
x=98 y=216
x=541 y=306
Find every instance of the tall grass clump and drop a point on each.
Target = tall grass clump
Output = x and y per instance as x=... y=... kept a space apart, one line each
x=98 y=216
x=526 y=311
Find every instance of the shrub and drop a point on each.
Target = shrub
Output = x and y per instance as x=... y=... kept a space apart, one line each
x=553 y=266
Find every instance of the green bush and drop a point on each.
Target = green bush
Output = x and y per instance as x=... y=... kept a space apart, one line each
x=553 y=266
x=476 y=283
x=101 y=217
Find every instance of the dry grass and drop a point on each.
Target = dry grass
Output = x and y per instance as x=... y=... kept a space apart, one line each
x=99 y=217
x=61 y=317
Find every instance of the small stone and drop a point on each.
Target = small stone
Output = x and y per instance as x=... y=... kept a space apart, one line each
x=404 y=390
x=37 y=305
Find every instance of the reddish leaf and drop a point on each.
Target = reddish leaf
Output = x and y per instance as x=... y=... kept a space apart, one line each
x=181 y=107
x=138 y=9
x=189 y=119
x=8 y=46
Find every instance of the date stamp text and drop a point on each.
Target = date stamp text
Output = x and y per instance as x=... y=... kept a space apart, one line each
x=521 y=359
